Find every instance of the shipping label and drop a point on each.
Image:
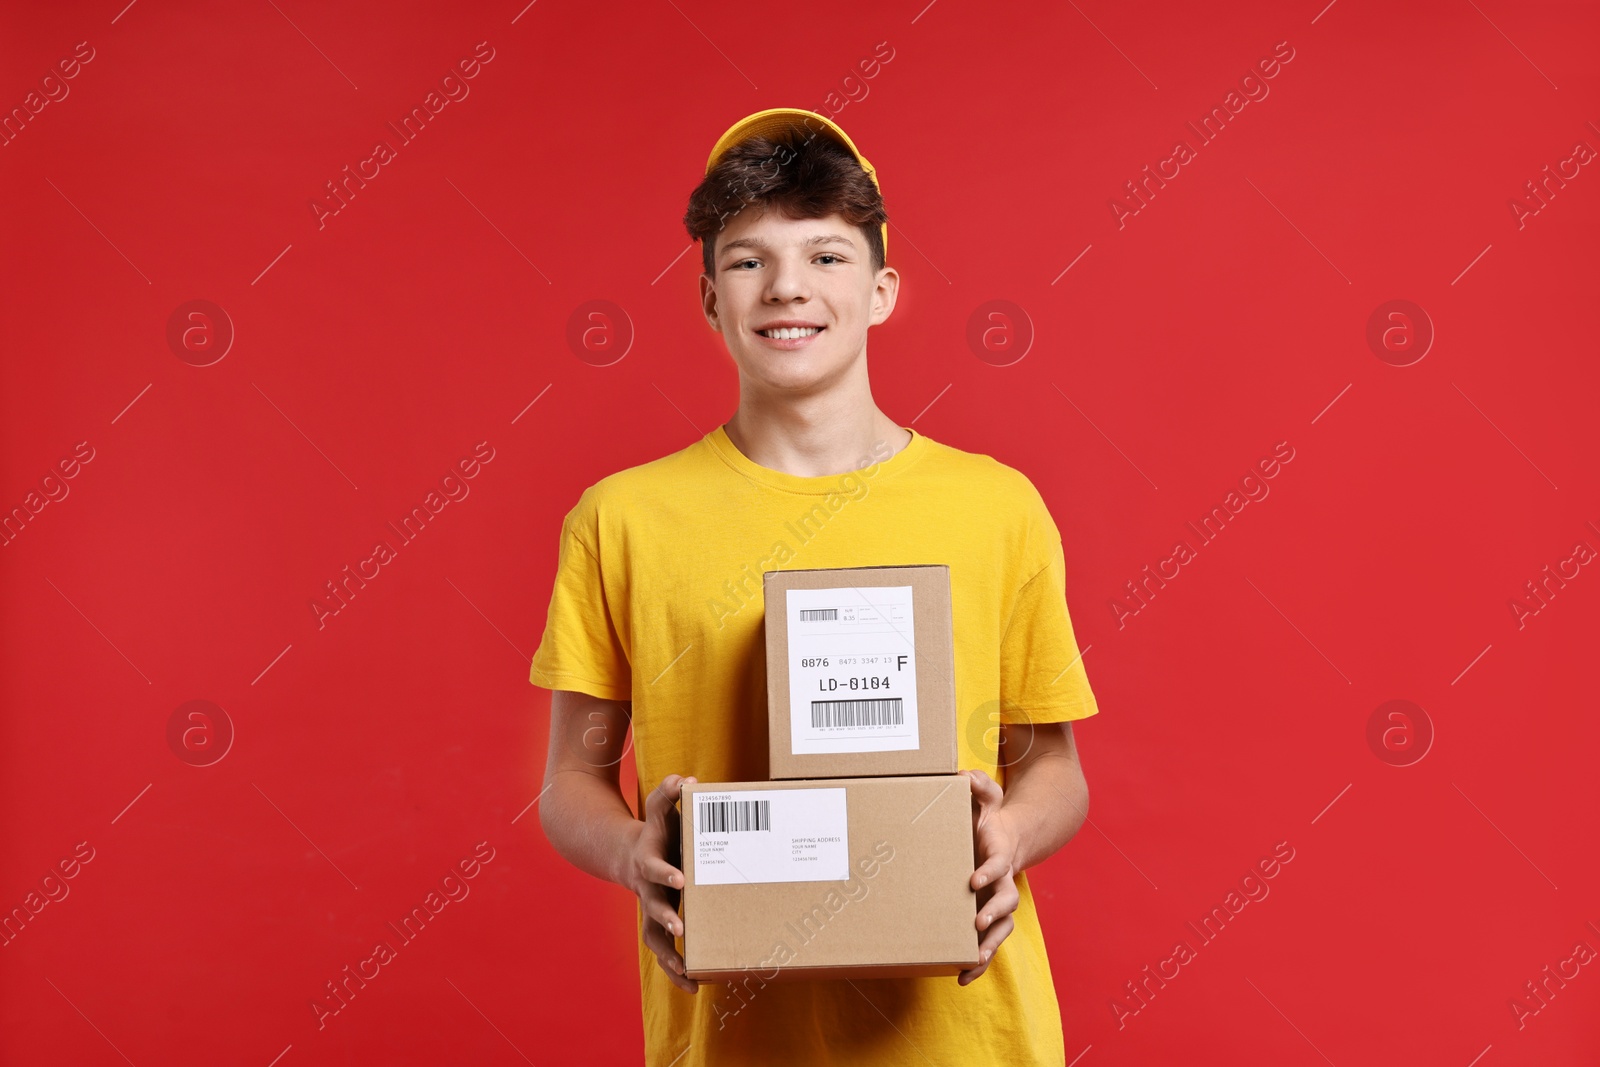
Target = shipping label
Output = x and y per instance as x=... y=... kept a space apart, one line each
x=852 y=670
x=770 y=835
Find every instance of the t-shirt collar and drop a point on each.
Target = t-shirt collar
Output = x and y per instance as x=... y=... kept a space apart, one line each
x=819 y=485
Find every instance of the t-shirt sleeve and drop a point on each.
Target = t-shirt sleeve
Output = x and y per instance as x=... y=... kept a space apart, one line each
x=580 y=649
x=1042 y=678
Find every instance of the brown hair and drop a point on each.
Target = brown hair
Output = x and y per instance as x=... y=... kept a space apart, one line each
x=802 y=175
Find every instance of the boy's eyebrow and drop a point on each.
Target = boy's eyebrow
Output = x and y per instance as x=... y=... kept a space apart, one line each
x=757 y=243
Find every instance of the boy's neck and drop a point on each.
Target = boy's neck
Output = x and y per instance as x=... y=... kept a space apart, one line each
x=814 y=442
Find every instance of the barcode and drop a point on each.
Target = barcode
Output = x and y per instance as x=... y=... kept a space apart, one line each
x=884 y=712
x=723 y=816
x=819 y=614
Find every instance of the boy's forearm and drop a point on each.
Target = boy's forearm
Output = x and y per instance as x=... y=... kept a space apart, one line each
x=1047 y=800
x=589 y=824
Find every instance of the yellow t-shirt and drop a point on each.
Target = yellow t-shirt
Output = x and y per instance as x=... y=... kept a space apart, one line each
x=658 y=600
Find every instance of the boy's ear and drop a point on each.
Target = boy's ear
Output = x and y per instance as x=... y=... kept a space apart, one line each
x=884 y=295
x=708 y=302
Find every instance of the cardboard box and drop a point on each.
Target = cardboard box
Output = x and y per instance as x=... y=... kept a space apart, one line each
x=860 y=672
x=842 y=878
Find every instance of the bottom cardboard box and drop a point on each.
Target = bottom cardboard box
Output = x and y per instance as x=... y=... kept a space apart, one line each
x=828 y=878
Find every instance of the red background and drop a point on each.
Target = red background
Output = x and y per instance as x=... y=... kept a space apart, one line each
x=373 y=752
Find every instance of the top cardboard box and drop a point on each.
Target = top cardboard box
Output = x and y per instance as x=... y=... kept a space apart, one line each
x=860 y=672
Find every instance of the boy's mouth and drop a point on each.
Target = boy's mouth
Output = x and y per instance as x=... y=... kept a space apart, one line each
x=790 y=333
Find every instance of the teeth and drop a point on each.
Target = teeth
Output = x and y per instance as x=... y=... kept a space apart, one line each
x=788 y=333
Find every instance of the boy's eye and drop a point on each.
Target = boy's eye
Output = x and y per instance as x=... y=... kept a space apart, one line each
x=832 y=257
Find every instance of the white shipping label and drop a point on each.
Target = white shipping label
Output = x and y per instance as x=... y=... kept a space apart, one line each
x=852 y=670
x=771 y=835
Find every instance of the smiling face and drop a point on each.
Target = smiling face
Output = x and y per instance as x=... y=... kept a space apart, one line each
x=812 y=279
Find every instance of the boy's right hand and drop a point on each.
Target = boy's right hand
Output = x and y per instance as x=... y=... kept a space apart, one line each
x=656 y=882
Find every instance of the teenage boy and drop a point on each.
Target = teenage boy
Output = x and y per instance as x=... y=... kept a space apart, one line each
x=656 y=615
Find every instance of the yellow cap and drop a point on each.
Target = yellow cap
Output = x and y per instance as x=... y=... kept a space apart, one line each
x=778 y=120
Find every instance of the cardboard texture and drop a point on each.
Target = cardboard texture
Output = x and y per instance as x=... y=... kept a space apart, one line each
x=905 y=907
x=846 y=689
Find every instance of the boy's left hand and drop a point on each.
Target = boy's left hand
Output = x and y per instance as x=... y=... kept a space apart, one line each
x=996 y=843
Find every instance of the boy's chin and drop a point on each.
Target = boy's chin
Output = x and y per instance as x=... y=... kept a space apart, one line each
x=785 y=368
x=787 y=387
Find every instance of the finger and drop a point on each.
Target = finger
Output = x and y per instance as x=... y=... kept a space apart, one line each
x=993 y=869
x=657 y=940
x=986 y=950
x=992 y=938
x=659 y=872
x=668 y=965
x=985 y=790
x=966 y=977
x=1000 y=905
x=663 y=796
x=666 y=954
x=659 y=910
